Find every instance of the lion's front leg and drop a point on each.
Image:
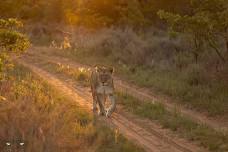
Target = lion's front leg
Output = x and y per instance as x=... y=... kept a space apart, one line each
x=100 y=98
x=94 y=102
x=112 y=107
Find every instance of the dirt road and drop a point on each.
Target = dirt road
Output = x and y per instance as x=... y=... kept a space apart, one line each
x=144 y=94
x=152 y=141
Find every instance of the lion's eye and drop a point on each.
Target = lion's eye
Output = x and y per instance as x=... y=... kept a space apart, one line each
x=22 y=144
x=8 y=144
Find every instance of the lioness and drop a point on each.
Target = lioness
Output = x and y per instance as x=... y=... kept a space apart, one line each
x=102 y=87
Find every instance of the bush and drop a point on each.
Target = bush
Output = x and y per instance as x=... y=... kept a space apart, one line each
x=126 y=46
x=195 y=75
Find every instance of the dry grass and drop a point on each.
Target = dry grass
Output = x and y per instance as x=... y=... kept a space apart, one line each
x=80 y=74
x=35 y=114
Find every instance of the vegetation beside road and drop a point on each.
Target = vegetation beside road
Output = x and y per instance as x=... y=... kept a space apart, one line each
x=192 y=86
x=35 y=113
x=185 y=127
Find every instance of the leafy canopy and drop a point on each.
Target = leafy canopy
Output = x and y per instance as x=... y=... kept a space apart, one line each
x=207 y=24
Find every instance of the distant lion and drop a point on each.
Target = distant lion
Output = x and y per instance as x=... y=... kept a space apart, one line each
x=102 y=87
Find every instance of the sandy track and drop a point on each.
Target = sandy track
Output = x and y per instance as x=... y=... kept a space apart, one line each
x=151 y=141
x=144 y=94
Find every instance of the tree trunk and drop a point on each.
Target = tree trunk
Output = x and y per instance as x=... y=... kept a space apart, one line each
x=227 y=46
x=226 y=40
x=214 y=46
x=197 y=49
x=196 y=56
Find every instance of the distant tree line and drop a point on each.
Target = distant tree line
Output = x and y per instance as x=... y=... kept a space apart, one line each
x=202 y=22
x=92 y=13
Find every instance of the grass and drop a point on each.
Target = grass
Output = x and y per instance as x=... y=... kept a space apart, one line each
x=81 y=74
x=205 y=136
x=35 y=113
x=190 y=87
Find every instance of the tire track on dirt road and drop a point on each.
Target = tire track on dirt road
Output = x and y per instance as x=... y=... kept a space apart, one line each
x=143 y=94
x=150 y=141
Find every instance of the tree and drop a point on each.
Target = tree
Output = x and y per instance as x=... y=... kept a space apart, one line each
x=206 y=26
x=12 y=42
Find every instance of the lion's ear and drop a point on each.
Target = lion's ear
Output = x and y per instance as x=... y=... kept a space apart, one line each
x=95 y=67
x=111 y=69
x=98 y=68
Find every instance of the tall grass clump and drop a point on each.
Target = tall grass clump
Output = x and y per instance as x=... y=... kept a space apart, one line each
x=80 y=74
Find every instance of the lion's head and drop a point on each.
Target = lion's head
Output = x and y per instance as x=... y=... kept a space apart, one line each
x=105 y=75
